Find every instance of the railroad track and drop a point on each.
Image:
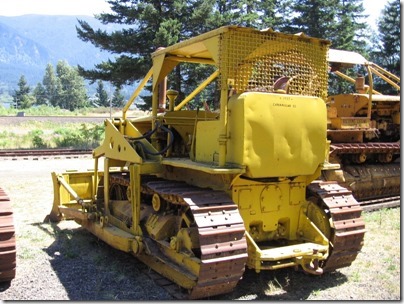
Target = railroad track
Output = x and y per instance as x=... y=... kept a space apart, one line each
x=380 y=203
x=34 y=154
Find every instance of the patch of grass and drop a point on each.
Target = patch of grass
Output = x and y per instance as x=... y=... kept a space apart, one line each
x=87 y=136
x=51 y=135
x=316 y=292
x=355 y=277
x=46 y=111
x=274 y=287
x=381 y=252
x=3 y=139
x=26 y=253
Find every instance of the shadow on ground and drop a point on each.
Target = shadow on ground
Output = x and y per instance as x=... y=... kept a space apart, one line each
x=89 y=269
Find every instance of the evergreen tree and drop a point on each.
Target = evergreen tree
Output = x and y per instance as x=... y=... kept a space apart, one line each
x=40 y=95
x=258 y=14
x=102 y=95
x=71 y=88
x=315 y=18
x=27 y=101
x=20 y=96
x=388 y=53
x=118 y=100
x=147 y=25
x=276 y=14
x=339 y=21
x=350 y=27
x=50 y=84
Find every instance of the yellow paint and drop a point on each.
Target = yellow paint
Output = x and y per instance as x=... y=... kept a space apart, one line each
x=276 y=135
x=261 y=147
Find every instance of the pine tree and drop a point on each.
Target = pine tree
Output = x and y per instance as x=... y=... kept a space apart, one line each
x=388 y=55
x=350 y=29
x=340 y=21
x=102 y=95
x=71 y=90
x=315 y=18
x=40 y=95
x=276 y=14
x=50 y=84
x=118 y=100
x=21 y=99
x=147 y=25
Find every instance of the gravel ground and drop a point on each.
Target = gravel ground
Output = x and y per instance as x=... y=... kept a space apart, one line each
x=65 y=262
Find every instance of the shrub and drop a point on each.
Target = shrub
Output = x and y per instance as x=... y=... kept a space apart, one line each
x=87 y=137
x=37 y=140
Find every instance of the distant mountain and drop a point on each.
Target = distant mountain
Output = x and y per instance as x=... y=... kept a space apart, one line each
x=28 y=43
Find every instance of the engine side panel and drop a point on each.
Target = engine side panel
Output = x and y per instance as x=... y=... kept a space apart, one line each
x=275 y=135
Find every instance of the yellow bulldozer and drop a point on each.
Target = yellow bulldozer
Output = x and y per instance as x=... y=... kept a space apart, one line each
x=200 y=194
x=364 y=129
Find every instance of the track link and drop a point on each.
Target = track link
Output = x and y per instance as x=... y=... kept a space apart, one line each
x=348 y=227
x=223 y=247
x=368 y=148
x=7 y=239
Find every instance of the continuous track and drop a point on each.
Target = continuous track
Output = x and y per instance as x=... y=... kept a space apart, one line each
x=371 y=172
x=348 y=229
x=222 y=266
x=223 y=247
x=218 y=232
x=7 y=239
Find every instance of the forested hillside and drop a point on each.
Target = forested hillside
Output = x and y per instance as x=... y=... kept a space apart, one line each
x=28 y=43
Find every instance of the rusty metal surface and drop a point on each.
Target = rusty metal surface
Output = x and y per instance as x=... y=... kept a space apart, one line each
x=348 y=231
x=374 y=178
x=373 y=181
x=222 y=244
x=7 y=239
x=348 y=148
x=220 y=227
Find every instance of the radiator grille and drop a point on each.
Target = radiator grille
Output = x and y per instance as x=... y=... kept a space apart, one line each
x=268 y=61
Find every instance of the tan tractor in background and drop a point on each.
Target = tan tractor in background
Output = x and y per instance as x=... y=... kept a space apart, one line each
x=364 y=129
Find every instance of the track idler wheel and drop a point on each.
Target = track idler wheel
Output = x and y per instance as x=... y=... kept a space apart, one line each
x=385 y=157
x=359 y=158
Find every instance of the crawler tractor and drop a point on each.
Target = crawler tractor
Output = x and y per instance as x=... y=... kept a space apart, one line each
x=200 y=194
x=364 y=129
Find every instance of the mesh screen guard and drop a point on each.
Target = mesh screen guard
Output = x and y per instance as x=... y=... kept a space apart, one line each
x=270 y=61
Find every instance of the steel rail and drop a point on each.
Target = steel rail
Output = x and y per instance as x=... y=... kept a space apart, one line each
x=42 y=153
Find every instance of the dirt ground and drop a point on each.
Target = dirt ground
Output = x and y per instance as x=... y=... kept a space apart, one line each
x=64 y=262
